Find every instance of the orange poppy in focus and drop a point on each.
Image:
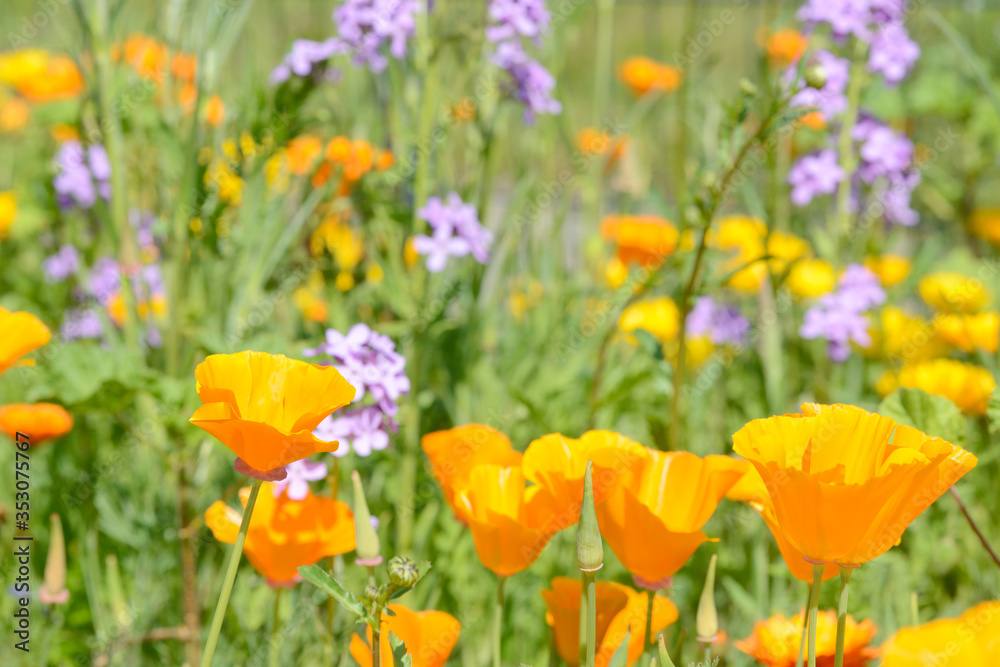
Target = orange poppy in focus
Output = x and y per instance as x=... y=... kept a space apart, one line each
x=785 y=47
x=456 y=452
x=775 y=642
x=654 y=525
x=39 y=421
x=20 y=333
x=285 y=534
x=620 y=609
x=556 y=464
x=429 y=637
x=508 y=537
x=845 y=483
x=642 y=239
x=264 y=407
x=643 y=74
x=971 y=640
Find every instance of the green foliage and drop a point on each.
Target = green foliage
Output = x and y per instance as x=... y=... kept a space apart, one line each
x=932 y=414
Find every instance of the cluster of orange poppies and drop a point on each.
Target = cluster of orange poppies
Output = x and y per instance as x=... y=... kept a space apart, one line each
x=21 y=333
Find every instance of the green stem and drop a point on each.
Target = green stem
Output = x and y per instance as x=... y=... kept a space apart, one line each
x=498 y=622
x=648 y=636
x=377 y=638
x=845 y=583
x=589 y=580
x=272 y=660
x=845 y=146
x=227 y=584
x=814 y=611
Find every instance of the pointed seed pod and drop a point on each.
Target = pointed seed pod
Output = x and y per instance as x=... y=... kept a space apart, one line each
x=365 y=537
x=665 y=660
x=54 y=589
x=707 y=622
x=589 y=545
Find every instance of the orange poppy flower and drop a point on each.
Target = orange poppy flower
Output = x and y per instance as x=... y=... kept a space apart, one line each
x=969 y=332
x=508 y=538
x=40 y=76
x=643 y=239
x=845 y=483
x=429 y=637
x=14 y=114
x=620 y=609
x=456 y=452
x=184 y=66
x=971 y=640
x=39 y=421
x=302 y=153
x=654 y=525
x=556 y=464
x=284 y=534
x=215 y=111
x=985 y=223
x=786 y=46
x=590 y=141
x=643 y=74
x=20 y=333
x=775 y=642
x=264 y=407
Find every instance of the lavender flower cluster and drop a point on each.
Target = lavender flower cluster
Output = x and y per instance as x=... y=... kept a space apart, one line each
x=306 y=58
x=297 y=478
x=723 y=324
x=839 y=317
x=511 y=22
x=366 y=27
x=84 y=174
x=370 y=363
x=456 y=232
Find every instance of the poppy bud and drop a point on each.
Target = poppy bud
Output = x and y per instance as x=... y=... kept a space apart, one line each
x=365 y=537
x=403 y=571
x=707 y=621
x=665 y=660
x=54 y=589
x=815 y=76
x=589 y=546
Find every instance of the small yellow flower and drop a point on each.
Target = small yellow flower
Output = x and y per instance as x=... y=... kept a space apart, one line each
x=410 y=254
x=374 y=274
x=615 y=273
x=748 y=241
x=344 y=281
x=659 y=317
x=63 y=133
x=985 y=224
x=8 y=212
x=196 y=226
x=969 y=332
x=811 y=278
x=890 y=269
x=966 y=385
x=338 y=238
x=951 y=292
x=899 y=335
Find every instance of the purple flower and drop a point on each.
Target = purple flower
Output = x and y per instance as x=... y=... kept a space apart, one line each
x=305 y=58
x=297 y=478
x=105 y=280
x=531 y=84
x=814 y=175
x=831 y=99
x=892 y=53
x=367 y=27
x=64 y=263
x=845 y=17
x=83 y=175
x=456 y=232
x=143 y=222
x=884 y=152
x=723 y=324
x=839 y=317
x=517 y=18
x=81 y=323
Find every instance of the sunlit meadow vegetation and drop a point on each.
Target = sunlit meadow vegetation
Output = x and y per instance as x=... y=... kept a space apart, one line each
x=498 y=332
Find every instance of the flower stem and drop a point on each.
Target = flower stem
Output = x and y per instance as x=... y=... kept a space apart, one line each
x=588 y=580
x=845 y=583
x=975 y=527
x=813 y=611
x=845 y=145
x=377 y=639
x=227 y=584
x=498 y=622
x=648 y=637
x=272 y=660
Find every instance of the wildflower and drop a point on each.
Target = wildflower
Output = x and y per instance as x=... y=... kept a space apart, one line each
x=776 y=641
x=971 y=640
x=654 y=525
x=985 y=223
x=508 y=537
x=722 y=324
x=641 y=239
x=63 y=264
x=297 y=478
x=429 y=637
x=748 y=241
x=899 y=335
x=285 y=534
x=84 y=175
x=829 y=99
x=815 y=174
x=811 y=278
x=966 y=385
x=620 y=611
x=785 y=47
x=81 y=323
x=951 y=292
x=267 y=428
x=556 y=465
x=839 y=317
x=20 y=333
x=511 y=21
x=306 y=58
x=40 y=76
x=890 y=269
x=856 y=467
x=215 y=111
x=14 y=115
x=302 y=153
x=456 y=452
x=370 y=363
x=893 y=53
x=39 y=421
x=367 y=28
x=8 y=212
x=456 y=232
x=969 y=332
x=643 y=74
x=659 y=317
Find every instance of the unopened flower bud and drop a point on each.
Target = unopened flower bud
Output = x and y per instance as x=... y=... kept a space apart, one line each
x=371 y=592
x=707 y=621
x=403 y=571
x=747 y=87
x=589 y=546
x=54 y=589
x=365 y=537
x=665 y=660
x=815 y=76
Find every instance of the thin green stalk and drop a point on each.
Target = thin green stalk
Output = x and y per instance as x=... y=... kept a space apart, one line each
x=805 y=627
x=377 y=639
x=227 y=584
x=589 y=581
x=845 y=144
x=845 y=583
x=275 y=652
x=814 y=611
x=708 y=655
x=648 y=635
x=498 y=622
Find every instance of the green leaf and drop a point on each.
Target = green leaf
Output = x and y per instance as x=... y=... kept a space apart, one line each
x=993 y=412
x=322 y=579
x=620 y=657
x=399 y=654
x=934 y=415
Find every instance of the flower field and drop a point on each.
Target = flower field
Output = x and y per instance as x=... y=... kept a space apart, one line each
x=593 y=333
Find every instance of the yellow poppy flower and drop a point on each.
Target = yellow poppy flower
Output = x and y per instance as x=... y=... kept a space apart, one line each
x=966 y=385
x=953 y=292
x=969 y=332
x=659 y=317
x=8 y=212
x=972 y=640
x=890 y=269
x=776 y=641
x=811 y=278
x=899 y=335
